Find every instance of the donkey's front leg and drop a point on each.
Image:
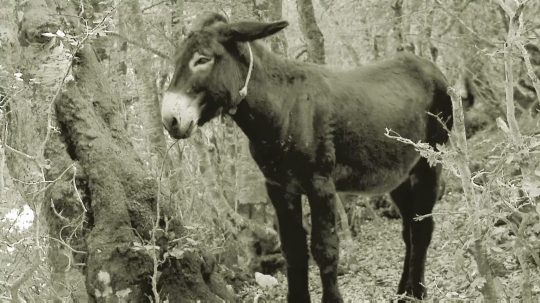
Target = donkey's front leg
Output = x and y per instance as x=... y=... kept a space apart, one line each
x=324 y=239
x=293 y=241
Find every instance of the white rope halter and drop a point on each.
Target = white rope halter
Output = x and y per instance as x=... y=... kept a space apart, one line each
x=243 y=91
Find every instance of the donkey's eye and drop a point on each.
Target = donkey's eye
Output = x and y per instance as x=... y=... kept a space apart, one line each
x=202 y=60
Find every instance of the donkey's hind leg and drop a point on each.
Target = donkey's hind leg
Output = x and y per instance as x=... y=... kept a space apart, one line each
x=415 y=197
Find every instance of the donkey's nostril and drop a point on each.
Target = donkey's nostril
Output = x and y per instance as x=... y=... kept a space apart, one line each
x=170 y=122
x=174 y=122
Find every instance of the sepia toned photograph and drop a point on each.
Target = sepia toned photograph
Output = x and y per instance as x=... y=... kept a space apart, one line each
x=269 y=151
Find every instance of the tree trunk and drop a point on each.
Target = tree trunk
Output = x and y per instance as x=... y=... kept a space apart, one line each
x=30 y=131
x=311 y=32
x=67 y=221
x=100 y=203
x=278 y=42
x=489 y=290
x=124 y=200
x=399 y=43
x=132 y=27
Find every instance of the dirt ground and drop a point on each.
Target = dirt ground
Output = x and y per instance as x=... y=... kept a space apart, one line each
x=372 y=264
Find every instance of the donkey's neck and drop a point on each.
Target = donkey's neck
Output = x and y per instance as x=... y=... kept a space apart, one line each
x=276 y=84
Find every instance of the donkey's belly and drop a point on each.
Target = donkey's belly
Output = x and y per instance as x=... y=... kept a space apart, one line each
x=373 y=182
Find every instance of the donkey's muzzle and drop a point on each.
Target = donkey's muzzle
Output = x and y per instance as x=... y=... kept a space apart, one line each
x=180 y=113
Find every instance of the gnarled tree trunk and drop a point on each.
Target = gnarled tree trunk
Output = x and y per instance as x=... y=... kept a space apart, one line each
x=100 y=203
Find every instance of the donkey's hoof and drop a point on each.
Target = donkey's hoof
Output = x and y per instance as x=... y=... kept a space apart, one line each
x=411 y=293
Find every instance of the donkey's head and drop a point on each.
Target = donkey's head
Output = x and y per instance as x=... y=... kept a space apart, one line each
x=211 y=68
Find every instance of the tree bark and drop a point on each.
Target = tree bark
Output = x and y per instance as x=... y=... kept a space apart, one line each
x=131 y=25
x=123 y=200
x=397 y=7
x=66 y=218
x=278 y=42
x=513 y=33
x=100 y=203
x=478 y=250
x=311 y=32
x=29 y=132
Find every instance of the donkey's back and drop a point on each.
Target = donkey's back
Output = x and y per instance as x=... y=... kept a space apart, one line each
x=400 y=95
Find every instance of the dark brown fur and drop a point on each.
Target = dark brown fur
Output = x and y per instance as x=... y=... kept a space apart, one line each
x=313 y=131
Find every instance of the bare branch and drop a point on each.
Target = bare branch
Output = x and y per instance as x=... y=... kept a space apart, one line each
x=152 y=6
x=20 y=153
x=511 y=37
x=76 y=190
x=59 y=215
x=68 y=246
x=139 y=44
x=530 y=69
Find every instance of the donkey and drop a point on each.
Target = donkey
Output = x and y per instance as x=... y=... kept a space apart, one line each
x=314 y=131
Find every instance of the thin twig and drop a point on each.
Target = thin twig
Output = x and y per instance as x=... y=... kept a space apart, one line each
x=441 y=122
x=20 y=153
x=49 y=183
x=509 y=87
x=422 y=217
x=152 y=6
x=156 y=227
x=76 y=190
x=139 y=44
x=57 y=213
x=67 y=246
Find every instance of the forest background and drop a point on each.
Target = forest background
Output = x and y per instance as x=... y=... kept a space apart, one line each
x=98 y=204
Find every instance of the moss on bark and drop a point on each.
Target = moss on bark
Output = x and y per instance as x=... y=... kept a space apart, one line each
x=122 y=198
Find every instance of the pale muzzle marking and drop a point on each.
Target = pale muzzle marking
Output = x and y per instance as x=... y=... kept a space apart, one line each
x=180 y=113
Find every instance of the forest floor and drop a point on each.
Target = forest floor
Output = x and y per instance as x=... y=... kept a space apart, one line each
x=371 y=264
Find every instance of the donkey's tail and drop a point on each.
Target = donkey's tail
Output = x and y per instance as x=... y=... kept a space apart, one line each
x=440 y=120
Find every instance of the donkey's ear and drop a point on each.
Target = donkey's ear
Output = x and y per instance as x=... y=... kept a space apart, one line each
x=207 y=19
x=249 y=31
